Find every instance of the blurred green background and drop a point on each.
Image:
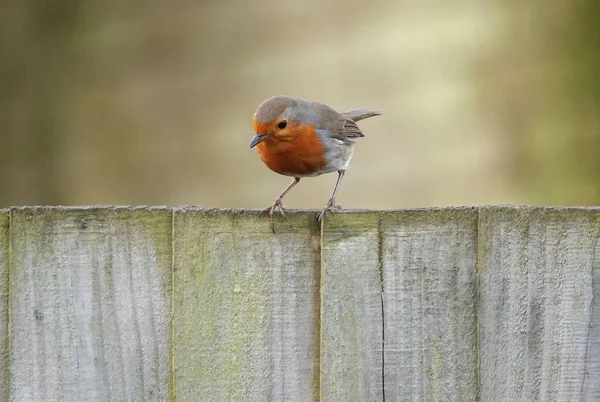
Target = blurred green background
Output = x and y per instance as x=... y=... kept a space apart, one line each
x=150 y=102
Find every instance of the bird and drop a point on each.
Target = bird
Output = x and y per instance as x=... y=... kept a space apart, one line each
x=301 y=138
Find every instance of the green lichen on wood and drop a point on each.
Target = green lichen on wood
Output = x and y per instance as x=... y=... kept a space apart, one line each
x=429 y=216
x=4 y=339
x=232 y=275
x=343 y=225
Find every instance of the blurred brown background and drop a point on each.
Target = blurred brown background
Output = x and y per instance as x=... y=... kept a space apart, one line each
x=150 y=102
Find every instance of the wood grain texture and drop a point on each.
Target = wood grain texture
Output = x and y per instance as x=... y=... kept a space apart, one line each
x=4 y=342
x=539 y=304
x=351 y=309
x=90 y=304
x=376 y=306
x=246 y=319
x=429 y=271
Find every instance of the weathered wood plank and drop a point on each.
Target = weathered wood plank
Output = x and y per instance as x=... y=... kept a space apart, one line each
x=246 y=307
x=90 y=303
x=591 y=379
x=4 y=344
x=351 y=309
x=539 y=292
x=429 y=270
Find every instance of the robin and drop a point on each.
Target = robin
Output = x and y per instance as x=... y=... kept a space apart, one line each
x=300 y=138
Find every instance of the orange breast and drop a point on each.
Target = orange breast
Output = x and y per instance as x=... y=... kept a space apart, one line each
x=297 y=153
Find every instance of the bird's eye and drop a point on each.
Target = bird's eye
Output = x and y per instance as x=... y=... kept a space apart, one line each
x=282 y=124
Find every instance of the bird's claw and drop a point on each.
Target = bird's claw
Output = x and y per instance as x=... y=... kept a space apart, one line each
x=330 y=206
x=277 y=205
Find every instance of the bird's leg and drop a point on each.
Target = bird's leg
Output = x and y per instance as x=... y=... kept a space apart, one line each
x=278 y=204
x=331 y=205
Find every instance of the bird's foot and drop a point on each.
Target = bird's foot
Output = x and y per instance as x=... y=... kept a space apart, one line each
x=277 y=205
x=330 y=206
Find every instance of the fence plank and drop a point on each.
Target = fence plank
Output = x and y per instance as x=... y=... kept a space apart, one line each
x=4 y=344
x=351 y=309
x=90 y=304
x=429 y=268
x=246 y=307
x=539 y=290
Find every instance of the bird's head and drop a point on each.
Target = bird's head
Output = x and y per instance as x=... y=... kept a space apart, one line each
x=274 y=119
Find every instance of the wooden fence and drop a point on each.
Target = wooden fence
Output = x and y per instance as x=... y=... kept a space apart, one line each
x=159 y=304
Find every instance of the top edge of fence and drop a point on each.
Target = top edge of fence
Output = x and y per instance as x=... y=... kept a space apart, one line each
x=199 y=208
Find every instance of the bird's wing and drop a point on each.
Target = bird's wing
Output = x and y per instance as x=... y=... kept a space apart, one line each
x=343 y=125
x=348 y=129
x=337 y=125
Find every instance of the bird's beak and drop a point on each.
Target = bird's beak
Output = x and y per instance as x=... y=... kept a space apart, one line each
x=257 y=139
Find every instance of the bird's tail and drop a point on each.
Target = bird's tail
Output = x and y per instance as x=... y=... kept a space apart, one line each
x=356 y=115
